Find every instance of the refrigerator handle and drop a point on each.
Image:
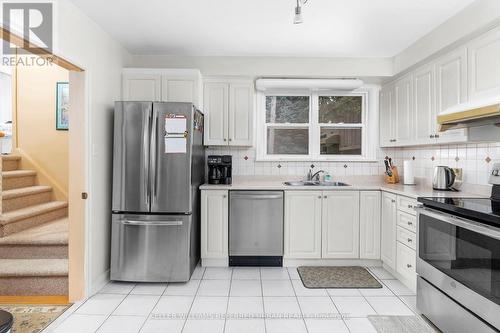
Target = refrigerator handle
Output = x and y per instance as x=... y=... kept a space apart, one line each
x=153 y=158
x=147 y=151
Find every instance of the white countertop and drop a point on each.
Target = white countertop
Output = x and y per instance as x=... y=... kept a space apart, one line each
x=357 y=183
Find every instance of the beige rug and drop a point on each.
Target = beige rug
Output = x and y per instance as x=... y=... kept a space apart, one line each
x=337 y=277
x=32 y=318
x=401 y=324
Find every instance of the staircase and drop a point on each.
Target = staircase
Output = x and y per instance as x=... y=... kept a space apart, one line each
x=33 y=235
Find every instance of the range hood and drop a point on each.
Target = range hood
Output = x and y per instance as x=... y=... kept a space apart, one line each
x=472 y=114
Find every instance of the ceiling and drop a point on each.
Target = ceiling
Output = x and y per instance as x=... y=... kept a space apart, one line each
x=331 y=28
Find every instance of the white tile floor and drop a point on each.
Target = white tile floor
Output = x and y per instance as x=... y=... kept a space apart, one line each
x=239 y=300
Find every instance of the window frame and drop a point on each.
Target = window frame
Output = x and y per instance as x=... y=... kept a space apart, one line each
x=367 y=125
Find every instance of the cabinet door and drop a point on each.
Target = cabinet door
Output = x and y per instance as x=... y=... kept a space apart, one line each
x=340 y=224
x=388 y=234
x=303 y=224
x=387 y=117
x=484 y=66
x=214 y=224
x=141 y=87
x=241 y=97
x=369 y=225
x=404 y=111
x=178 y=90
x=424 y=104
x=216 y=104
x=451 y=89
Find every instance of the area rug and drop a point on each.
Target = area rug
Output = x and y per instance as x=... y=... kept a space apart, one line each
x=337 y=277
x=401 y=324
x=32 y=318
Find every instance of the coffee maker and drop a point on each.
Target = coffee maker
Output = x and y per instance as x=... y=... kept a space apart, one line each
x=220 y=169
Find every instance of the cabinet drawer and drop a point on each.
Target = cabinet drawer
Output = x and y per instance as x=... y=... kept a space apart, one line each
x=407 y=221
x=406 y=237
x=405 y=261
x=407 y=205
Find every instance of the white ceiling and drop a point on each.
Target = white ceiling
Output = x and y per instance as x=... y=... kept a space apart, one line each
x=331 y=28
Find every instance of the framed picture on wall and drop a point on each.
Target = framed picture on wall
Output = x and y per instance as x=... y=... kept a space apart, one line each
x=62 y=106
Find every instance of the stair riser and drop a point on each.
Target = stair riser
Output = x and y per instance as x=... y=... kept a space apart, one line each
x=17 y=182
x=33 y=251
x=30 y=222
x=10 y=165
x=33 y=285
x=25 y=201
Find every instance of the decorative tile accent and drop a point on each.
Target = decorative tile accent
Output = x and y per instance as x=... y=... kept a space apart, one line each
x=413 y=158
x=279 y=166
x=312 y=166
x=345 y=166
x=487 y=159
x=457 y=159
x=432 y=158
x=245 y=158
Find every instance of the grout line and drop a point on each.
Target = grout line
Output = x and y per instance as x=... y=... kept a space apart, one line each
x=228 y=297
x=262 y=296
x=124 y=298
x=297 y=299
x=194 y=299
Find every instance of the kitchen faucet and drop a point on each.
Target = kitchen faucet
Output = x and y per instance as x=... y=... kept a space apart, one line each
x=314 y=176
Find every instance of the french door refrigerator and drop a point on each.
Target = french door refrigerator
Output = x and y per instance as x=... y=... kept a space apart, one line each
x=155 y=208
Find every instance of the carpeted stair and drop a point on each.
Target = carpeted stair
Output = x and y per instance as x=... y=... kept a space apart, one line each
x=33 y=235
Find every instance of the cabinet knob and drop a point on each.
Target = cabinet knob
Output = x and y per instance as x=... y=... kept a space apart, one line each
x=410 y=206
x=230 y=139
x=408 y=265
x=224 y=196
x=410 y=223
x=409 y=240
x=324 y=197
x=393 y=201
x=431 y=136
x=319 y=196
x=225 y=139
x=436 y=135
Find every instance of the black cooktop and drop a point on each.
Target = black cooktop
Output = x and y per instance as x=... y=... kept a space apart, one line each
x=485 y=210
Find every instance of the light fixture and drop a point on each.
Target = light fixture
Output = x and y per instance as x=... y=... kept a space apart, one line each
x=297 y=19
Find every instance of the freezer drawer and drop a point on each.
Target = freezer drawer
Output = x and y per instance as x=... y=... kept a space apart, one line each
x=153 y=248
x=256 y=223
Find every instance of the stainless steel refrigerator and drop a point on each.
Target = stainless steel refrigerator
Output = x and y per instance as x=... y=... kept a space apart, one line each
x=155 y=208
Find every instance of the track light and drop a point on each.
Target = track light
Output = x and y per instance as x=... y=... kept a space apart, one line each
x=297 y=19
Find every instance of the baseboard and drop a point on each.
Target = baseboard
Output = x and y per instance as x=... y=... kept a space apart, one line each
x=99 y=283
x=222 y=262
x=331 y=262
x=63 y=299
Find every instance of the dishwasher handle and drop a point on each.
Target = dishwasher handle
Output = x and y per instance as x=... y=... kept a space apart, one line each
x=257 y=197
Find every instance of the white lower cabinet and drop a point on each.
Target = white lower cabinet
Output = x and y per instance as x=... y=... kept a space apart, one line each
x=388 y=234
x=214 y=224
x=369 y=224
x=302 y=224
x=406 y=262
x=340 y=224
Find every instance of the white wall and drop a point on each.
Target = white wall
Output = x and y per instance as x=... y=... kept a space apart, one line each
x=84 y=43
x=273 y=66
x=476 y=17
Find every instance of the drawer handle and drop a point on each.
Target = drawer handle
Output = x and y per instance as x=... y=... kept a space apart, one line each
x=408 y=265
x=392 y=200
x=410 y=223
x=410 y=206
x=319 y=196
x=410 y=240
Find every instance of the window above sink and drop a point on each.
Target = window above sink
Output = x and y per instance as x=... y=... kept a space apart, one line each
x=325 y=125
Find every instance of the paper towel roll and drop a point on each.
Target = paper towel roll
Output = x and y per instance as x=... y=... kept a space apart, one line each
x=409 y=177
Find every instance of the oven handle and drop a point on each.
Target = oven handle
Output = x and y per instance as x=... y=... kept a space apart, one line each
x=474 y=226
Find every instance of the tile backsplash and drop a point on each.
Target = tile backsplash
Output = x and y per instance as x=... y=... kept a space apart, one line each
x=476 y=161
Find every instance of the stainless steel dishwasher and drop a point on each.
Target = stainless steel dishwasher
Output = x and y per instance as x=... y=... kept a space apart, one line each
x=256 y=228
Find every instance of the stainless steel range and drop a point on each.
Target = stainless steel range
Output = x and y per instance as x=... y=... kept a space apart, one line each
x=458 y=262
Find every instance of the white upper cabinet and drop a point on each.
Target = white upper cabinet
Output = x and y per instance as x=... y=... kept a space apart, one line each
x=425 y=105
x=228 y=106
x=166 y=85
x=404 y=110
x=340 y=224
x=369 y=225
x=387 y=116
x=215 y=100
x=451 y=79
x=484 y=65
x=141 y=87
x=241 y=96
x=302 y=238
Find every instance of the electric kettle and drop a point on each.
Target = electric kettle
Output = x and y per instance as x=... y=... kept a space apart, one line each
x=446 y=178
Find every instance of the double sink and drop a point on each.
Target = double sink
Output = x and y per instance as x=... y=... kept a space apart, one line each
x=314 y=183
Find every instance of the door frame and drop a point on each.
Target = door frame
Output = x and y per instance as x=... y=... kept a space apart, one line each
x=79 y=172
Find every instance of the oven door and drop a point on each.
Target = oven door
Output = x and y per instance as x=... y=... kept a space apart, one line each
x=461 y=258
